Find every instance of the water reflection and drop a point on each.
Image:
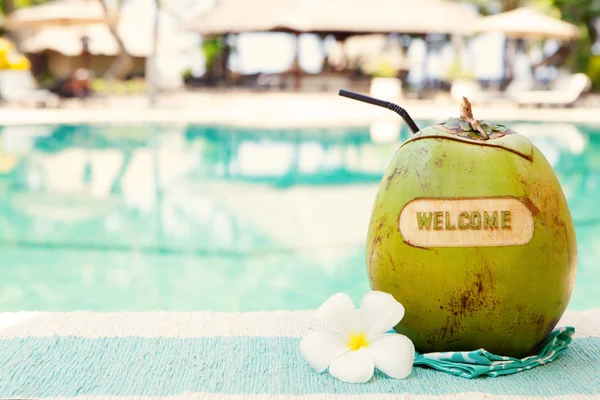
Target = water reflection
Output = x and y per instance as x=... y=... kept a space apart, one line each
x=105 y=217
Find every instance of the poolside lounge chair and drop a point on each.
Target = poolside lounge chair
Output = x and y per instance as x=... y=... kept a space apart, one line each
x=477 y=95
x=565 y=91
x=18 y=86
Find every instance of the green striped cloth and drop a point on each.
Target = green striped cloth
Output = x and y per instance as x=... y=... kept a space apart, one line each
x=471 y=364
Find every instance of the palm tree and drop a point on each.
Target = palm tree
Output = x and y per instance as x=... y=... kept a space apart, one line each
x=123 y=63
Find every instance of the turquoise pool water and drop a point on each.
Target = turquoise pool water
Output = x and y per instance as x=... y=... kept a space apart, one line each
x=109 y=218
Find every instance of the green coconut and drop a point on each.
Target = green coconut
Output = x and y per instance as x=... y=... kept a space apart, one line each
x=500 y=296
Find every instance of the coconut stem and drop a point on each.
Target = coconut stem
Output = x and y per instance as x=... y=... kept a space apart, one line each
x=466 y=113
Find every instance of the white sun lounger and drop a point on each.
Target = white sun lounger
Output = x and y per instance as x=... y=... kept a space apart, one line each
x=17 y=86
x=565 y=92
x=477 y=95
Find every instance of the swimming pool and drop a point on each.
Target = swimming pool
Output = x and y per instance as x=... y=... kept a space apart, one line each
x=176 y=217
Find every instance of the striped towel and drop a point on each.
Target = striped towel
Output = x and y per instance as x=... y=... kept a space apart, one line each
x=239 y=356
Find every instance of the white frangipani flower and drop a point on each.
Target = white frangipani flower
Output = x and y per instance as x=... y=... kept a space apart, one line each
x=357 y=341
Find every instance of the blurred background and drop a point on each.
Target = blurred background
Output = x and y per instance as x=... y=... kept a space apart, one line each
x=194 y=154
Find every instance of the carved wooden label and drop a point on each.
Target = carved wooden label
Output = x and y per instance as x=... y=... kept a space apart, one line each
x=466 y=222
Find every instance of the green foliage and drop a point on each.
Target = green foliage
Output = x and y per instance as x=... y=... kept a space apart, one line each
x=582 y=13
x=7 y=5
x=211 y=49
x=385 y=69
x=583 y=53
x=457 y=71
x=130 y=86
x=593 y=71
x=99 y=85
x=487 y=7
x=45 y=80
x=29 y=3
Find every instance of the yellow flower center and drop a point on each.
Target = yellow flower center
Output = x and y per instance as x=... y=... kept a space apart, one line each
x=357 y=341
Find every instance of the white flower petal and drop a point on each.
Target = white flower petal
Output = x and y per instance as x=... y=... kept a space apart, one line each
x=379 y=312
x=393 y=355
x=320 y=348
x=339 y=313
x=353 y=366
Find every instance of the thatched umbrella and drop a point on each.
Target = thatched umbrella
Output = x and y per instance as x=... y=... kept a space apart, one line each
x=335 y=16
x=341 y=18
x=135 y=31
x=56 y=13
x=524 y=23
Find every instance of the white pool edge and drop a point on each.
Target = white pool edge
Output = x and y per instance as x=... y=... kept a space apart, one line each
x=274 y=111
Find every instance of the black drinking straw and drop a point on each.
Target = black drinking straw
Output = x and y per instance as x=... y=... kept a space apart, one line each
x=385 y=104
